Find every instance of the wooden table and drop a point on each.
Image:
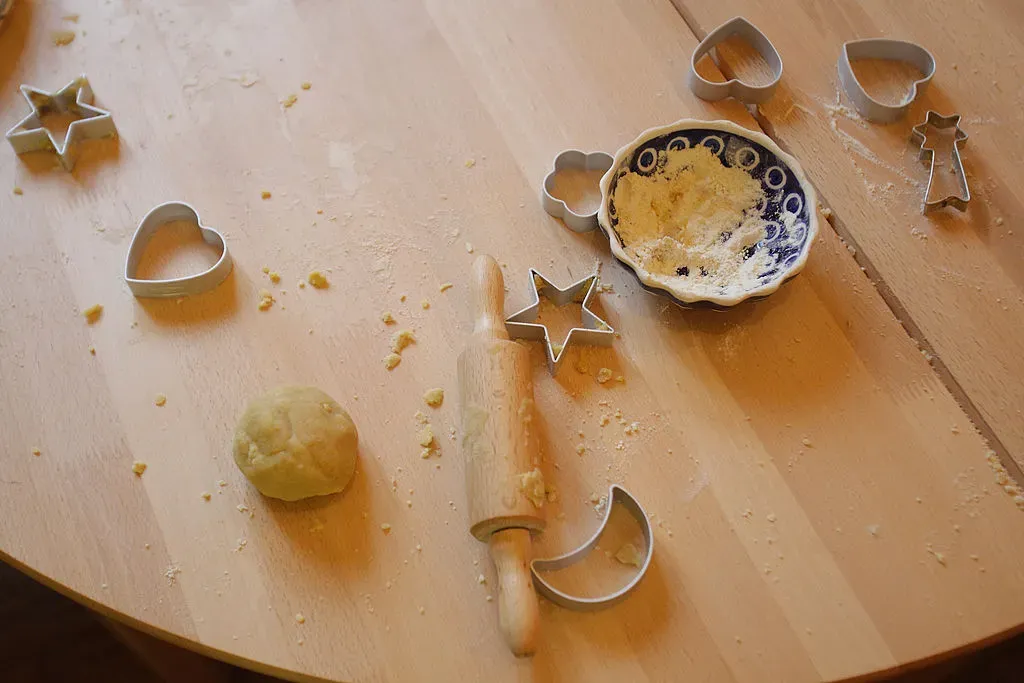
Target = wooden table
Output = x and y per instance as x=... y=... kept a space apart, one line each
x=428 y=125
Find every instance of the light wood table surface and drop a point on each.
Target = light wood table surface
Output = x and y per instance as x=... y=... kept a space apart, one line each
x=429 y=125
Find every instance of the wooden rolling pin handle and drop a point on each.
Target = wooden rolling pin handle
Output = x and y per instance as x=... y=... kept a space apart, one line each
x=518 y=611
x=488 y=293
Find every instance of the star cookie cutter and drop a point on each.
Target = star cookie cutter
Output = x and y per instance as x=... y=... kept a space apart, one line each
x=573 y=160
x=29 y=135
x=927 y=155
x=175 y=287
x=890 y=50
x=616 y=496
x=594 y=332
x=750 y=94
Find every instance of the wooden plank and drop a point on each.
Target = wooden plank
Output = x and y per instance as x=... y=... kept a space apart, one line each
x=403 y=95
x=954 y=279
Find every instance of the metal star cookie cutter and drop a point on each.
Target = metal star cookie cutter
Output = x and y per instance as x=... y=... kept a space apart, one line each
x=573 y=160
x=616 y=496
x=927 y=155
x=29 y=135
x=594 y=332
x=175 y=287
x=888 y=49
x=713 y=91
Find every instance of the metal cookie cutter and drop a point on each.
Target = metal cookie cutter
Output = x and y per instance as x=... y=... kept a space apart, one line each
x=182 y=286
x=883 y=48
x=750 y=94
x=595 y=332
x=75 y=98
x=927 y=155
x=573 y=160
x=616 y=495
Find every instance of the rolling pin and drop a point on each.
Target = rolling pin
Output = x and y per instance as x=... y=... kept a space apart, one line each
x=500 y=446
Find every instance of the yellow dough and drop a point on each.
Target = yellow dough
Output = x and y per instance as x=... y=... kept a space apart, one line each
x=296 y=442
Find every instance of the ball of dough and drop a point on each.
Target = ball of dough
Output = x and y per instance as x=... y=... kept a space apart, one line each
x=296 y=442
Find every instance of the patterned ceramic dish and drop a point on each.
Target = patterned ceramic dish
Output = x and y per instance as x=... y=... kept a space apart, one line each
x=790 y=206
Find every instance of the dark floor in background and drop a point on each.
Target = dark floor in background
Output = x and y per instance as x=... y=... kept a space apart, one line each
x=47 y=638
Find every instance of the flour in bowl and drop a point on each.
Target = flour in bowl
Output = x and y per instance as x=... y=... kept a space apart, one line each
x=695 y=220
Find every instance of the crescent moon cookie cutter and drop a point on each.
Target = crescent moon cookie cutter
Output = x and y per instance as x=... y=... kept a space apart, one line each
x=594 y=331
x=713 y=91
x=573 y=160
x=616 y=496
x=157 y=217
x=891 y=50
x=75 y=98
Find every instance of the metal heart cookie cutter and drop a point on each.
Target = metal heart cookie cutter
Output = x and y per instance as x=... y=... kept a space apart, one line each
x=572 y=160
x=594 y=332
x=182 y=286
x=616 y=496
x=75 y=98
x=750 y=94
x=888 y=49
x=927 y=155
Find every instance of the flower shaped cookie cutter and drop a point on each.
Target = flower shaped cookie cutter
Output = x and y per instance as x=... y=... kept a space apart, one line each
x=567 y=161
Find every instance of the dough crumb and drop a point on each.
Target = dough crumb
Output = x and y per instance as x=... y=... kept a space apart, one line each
x=531 y=485
x=392 y=360
x=18 y=191
x=469 y=248
x=387 y=318
x=160 y=400
x=92 y=350
x=446 y=286
x=266 y=300
x=434 y=397
x=300 y=619
x=481 y=579
x=205 y=495
x=470 y=163
x=288 y=101
x=426 y=436
x=171 y=574
x=425 y=304
x=36 y=452
x=402 y=339
x=873 y=529
x=386 y=528
x=63 y=37
x=581 y=449
x=807 y=442
x=318 y=280
x=402 y=297
x=265 y=194
x=603 y=375
x=422 y=610
x=274 y=276
x=73 y=18
x=138 y=467
x=306 y=85
x=93 y=313
x=771 y=517
x=629 y=554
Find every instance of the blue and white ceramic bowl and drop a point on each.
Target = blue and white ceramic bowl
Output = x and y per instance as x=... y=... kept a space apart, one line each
x=790 y=208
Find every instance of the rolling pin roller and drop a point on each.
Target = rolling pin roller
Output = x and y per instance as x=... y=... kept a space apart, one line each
x=499 y=445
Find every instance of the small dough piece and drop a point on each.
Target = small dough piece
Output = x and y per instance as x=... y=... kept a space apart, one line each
x=306 y=85
x=289 y=101
x=295 y=442
x=138 y=467
x=603 y=375
x=265 y=194
x=392 y=360
x=402 y=339
x=160 y=400
x=630 y=554
x=318 y=280
x=387 y=318
x=63 y=37
x=93 y=313
x=434 y=397
x=266 y=300
x=426 y=436
x=531 y=485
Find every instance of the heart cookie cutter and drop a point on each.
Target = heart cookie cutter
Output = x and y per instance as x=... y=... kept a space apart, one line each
x=616 y=496
x=573 y=160
x=891 y=50
x=750 y=94
x=927 y=155
x=29 y=134
x=182 y=286
x=594 y=332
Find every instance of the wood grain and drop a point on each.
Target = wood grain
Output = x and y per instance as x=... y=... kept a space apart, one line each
x=955 y=280
x=427 y=126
